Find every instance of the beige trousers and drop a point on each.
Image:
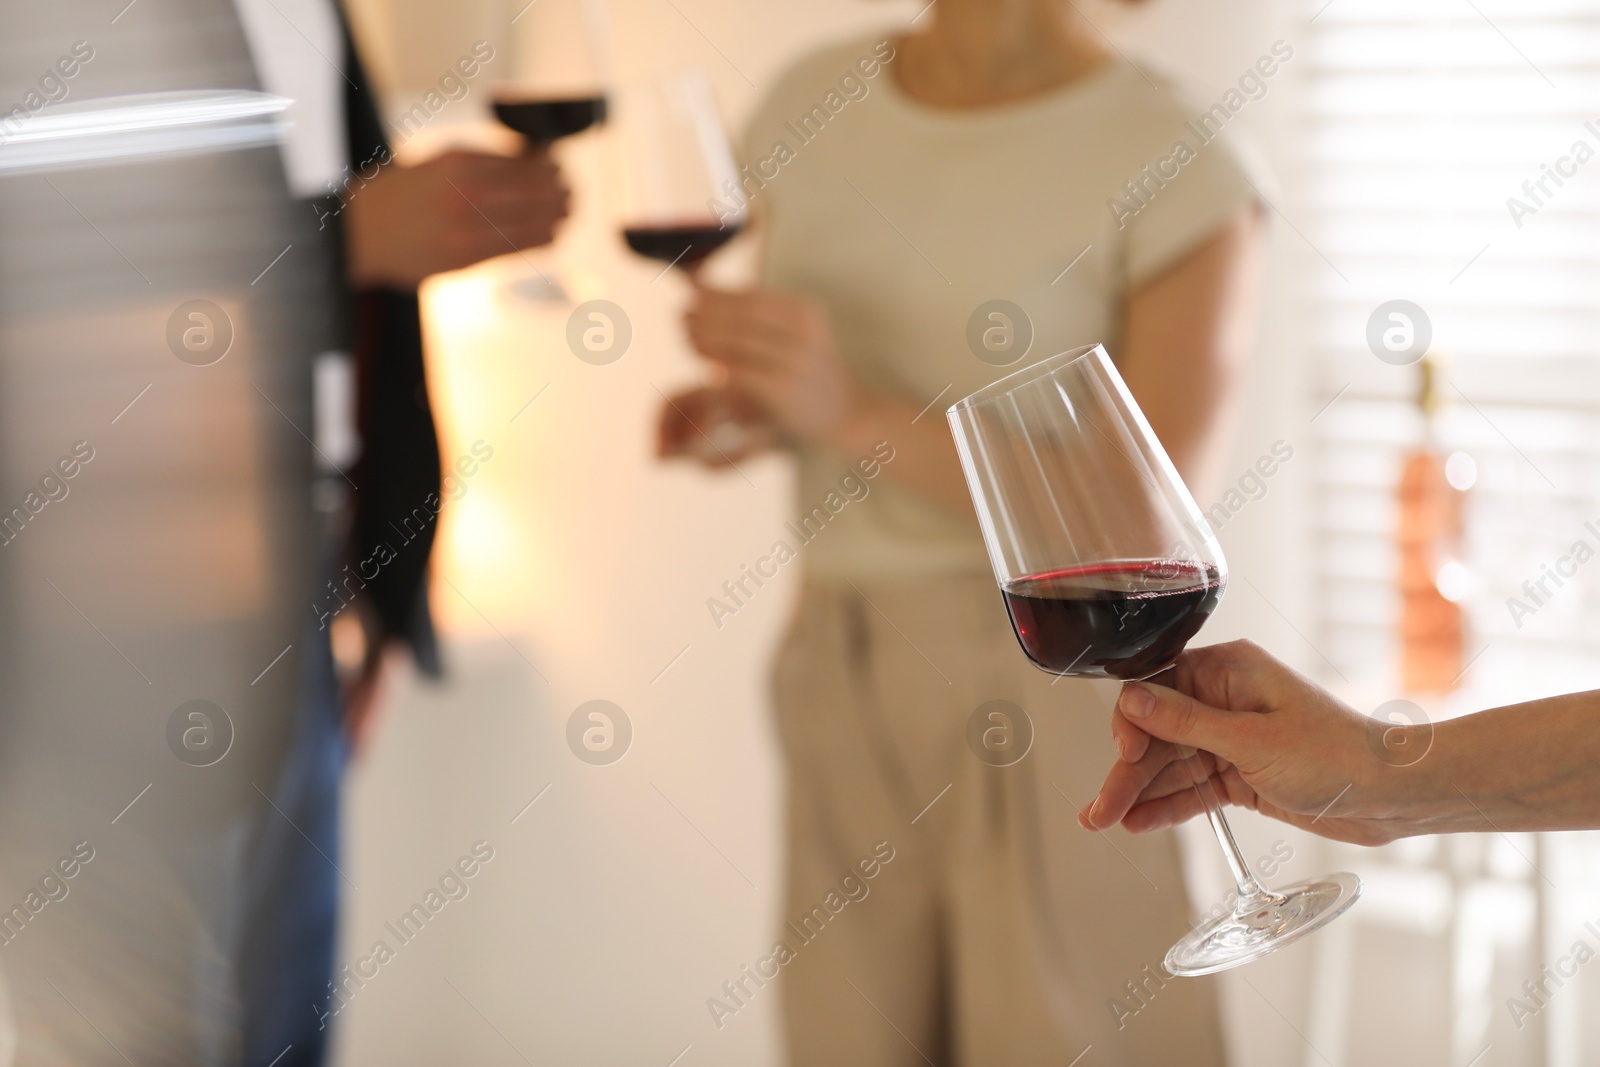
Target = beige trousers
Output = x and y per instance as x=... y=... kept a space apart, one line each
x=999 y=932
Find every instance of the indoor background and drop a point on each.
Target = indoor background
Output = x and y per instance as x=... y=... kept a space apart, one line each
x=576 y=567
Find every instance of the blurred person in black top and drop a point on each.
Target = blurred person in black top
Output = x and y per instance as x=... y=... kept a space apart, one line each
x=179 y=557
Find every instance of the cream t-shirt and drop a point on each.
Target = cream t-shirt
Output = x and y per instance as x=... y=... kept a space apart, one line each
x=904 y=219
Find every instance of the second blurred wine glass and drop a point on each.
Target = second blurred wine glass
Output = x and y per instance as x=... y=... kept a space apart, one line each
x=678 y=204
x=677 y=172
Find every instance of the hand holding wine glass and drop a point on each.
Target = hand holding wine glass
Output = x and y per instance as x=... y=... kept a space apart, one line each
x=1276 y=742
x=777 y=377
x=1107 y=569
x=777 y=351
x=1269 y=740
x=450 y=212
x=712 y=425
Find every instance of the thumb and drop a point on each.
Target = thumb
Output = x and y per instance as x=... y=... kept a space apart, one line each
x=1181 y=719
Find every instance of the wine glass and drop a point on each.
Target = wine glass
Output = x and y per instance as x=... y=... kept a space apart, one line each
x=678 y=177
x=559 y=89
x=678 y=187
x=1107 y=569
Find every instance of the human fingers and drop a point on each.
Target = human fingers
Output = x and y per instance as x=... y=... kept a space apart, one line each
x=1174 y=809
x=676 y=423
x=734 y=343
x=716 y=426
x=1131 y=742
x=1182 y=719
x=520 y=199
x=780 y=318
x=1240 y=676
x=1129 y=782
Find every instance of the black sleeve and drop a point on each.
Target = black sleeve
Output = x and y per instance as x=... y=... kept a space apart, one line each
x=397 y=476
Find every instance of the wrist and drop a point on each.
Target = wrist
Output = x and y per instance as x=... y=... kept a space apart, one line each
x=1445 y=791
x=362 y=259
x=1417 y=800
x=375 y=254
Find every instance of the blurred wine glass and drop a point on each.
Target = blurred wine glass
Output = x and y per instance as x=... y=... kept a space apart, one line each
x=559 y=88
x=677 y=171
x=678 y=186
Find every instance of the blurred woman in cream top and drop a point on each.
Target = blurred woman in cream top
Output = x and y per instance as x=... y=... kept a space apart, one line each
x=938 y=210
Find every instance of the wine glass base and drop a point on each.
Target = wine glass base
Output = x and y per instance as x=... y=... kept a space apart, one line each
x=1234 y=939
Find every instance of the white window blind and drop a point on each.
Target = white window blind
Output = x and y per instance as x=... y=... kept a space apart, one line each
x=1423 y=118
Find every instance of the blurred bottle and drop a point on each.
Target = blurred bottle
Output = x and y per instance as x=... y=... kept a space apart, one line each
x=1432 y=623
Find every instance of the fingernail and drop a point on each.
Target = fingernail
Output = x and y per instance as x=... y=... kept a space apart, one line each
x=1136 y=702
x=1094 y=811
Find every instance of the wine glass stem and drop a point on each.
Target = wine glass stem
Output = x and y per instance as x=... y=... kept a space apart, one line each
x=1251 y=891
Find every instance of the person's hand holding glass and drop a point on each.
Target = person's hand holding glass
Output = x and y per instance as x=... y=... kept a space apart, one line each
x=1279 y=744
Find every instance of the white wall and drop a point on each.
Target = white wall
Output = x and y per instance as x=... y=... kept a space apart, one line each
x=625 y=896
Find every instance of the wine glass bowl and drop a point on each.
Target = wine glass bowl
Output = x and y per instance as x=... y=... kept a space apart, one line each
x=1108 y=569
x=560 y=55
x=679 y=244
x=676 y=171
x=558 y=88
x=1105 y=563
x=543 y=119
x=1125 y=619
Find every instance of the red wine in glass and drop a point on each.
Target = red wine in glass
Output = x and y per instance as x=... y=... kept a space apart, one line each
x=684 y=244
x=546 y=120
x=676 y=168
x=1118 y=620
x=560 y=71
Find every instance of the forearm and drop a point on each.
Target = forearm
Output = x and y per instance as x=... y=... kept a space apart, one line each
x=925 y=453
x=1185 y=338
x=1527 y=767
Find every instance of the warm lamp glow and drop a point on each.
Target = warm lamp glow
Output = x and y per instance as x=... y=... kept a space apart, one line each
x=465 y=299
x=469 y=371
